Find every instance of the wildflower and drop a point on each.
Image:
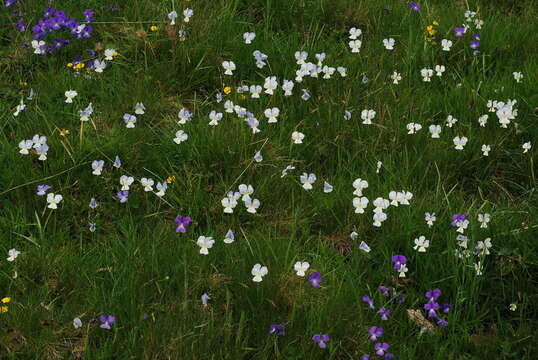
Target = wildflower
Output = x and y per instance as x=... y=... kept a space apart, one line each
x=53 y=200
x=355 y=46
x=107 y=321
x=375 y=333
x=25 y=146
x=19 y=108
x=414 y=6
x=307 y=180
x=182 y=35
x=77 y=323
x=205 y=298
x=379 y=218
x=161 y=187
x=431 y=307
x=258 y=271
x=184 y=116
x=301 y=267
x=389 y=43
x=398 y=261
x=483 y=120
x=42 y=189
x=229 y=203
x=187 y=13
x=459 y=142
x=412 y=128
x=170 y=179
x=252 y=205
x=384 y=312
x=181 y=223
x=482 y=247
x=287 y=86
x=426 y=74
x=485 y=149
x=478 y=23
x=130 y=120
x=270 y=85
x=369 y=301
x=245 y=191
x=110 y=53
x=354 y=33
x=97 y=166
x=69 y=95
x=297 y=137
x=321 y=340
x=255 y=91
x=327 y=188
x=153 y=28
x=260 y=58
x=126 y=181
x=396 y=77
x=301 y=57
x=229 y=237
x=306 y=95
x=479 y=268
x=439 y=70
x=364 y=79
x=271 y=114
x=123 y=196
x=474 y=44
x=315 y=279
x=277 y=329
x=249 y=37
x=446 y=44
x=287 y=170
x=147 y=183
x=139 y=108
x=229 y=67
x=180 y=136
x=431 y=30
x=367 y=116
x=13 y=254
x=450 y=121
x=92 y=226
x=421 y=244
x=526 y=147
x=215 y=118
x=258 y=156
x=93 y=203
x=459 y=31
x=342 y=71
x=205 y=243
x=513 y=307
x=430 y=218
x=172 y=16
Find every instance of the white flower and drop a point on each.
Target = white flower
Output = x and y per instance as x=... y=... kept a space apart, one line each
x=297 y=137
x=446 y=44
x=180 y=137
x=327 y=188
x=403 y=269
x=306 y=95
x=69 y=95
x=360 y=203
x=412 y=128
x=187 y=14
x=526 y=147
x=421 y=244
x=271 y=114
x=19 y=108
x=396 y=197
x=270 y=84
x=513 y=307
x=484 y=219
x=307 y=180
x=126 y=182
x=380 y=204
x=13 y=254
x=99 y=66
x=328 y=71
x=439 y=70
x=129 y=120
x=229 y=237
x=462 y=241
x=426 y=74
x=389 y=43
x=229 y=203
x=252 y=205
x=109 y=54
x=406 y=197
x=205 y=243
x=479 y=268
x=172 y=16
x=355 y=46
x=342 y=70
x=86 y=113
x=482 y=247
x=364 y=247
x=25 y=146
x=354 y=33
x=379 y=217
x=258 y=272
x=359 y=185
x=435 y=130
x=139 y=108
x=462 y=225
x=287 y=86
x=248 y=37
x=37 y=45
x=161 y=187
x=255 y=91
x=430 y=218
x=287 y=170
x=77 y=323
x=229 y=67
x=301 y=267
x=184 y=115
x=215 y=118
x=450 y=121
x=97 y=166
x=396 y=77
x=53 y=200
x=459 y=142
x=147 y=183
x=245 y=191
x=483 y=120
x=478 y=23
x=301 y=56
x=518 y=76
x=485 y=149
x=320 y=58
x=258 y=156
x=367 y=116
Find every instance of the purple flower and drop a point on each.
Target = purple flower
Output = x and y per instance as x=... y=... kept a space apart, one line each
x=385 y=290
x=442 y=322
x=315 y=279
x=458 y=217
x=431 y=307
x=389 y=356
x=375 y=333
x=414 y=6
x=447 y=308
x=321 y=339
x=384 y=313
x=476 y=37
x=182 y=222
x=401 y=299
x=123 y=196
x=380 y=348
x=88 y=15
x=474 y=44
x=433 y=294
x=21 y=25
x=365 y=357
x=398 y=260
x=277 y=329
x=459 y=31
x=369 y=301
x=107 y=321
x=42 y=189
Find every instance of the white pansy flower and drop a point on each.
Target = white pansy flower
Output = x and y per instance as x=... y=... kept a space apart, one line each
x=258 y=271
x=205 y=243
x=301 y=268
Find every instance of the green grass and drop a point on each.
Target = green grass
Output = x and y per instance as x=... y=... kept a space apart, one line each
x=136 y=267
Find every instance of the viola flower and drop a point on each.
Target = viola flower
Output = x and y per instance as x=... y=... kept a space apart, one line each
x=86 y=113
x=513 y=307
x=375 y=333
x=369 y=301
x=287 y=86
x=258 y=156
x=364 y=247
x=42 y=189
x=13 y=254
x=306 y=95
x=205 y=298
x=126 y=182
x=398 y=261
x=414 y=6
x=459 y=142
x=229 y=237
x=205 y=243
x=180 y=137
x=92 y=226
x=484 y=219
x=412 y=128
x=19 y=108
x=421 y=244
x=277 y=329
x=342 y=71
x=447 y=308
x=98 y=66
x=354 y=33
x=93 y=203
x=77 y=323
x=426 y=74
x=69 y=95
x=526 y=147
x=396 y=77
x=53 y=200
x=147 y=183
x=430 y=218
x=107 y=321
x=385 y=290
x=367 y=116
x=161 y=189
x=139 y=108
x=301 y=268
x=123 y=196
x=432 y=295
x=315 y=279
x=321 y=340
x=110 y=53
x=258 y=271
x=446 y=44
x=187 y=14
x=249 y=37
x=327 y=188
x=459 y=31
x=307 y=180
x=252 y=205
x=384 y=312
x=482 y=247
x=270 y=85
x=439 y=70
x=97 y=166
x=474 y=44
x=130 y=120
x=431 y=307
x=355 y=46
x=297 y=137
x=182 y=222
x=389 y=43
x=255 y=91
x=381 y=348
x=457 y=218
x=260 y=58
x=184 y=116
x=485 y=149
x=271 y=114
x=518 y=76
x=172 y=16
x=479 y=268
x=229 y=67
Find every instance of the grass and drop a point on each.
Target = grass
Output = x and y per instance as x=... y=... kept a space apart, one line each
x=136 y=267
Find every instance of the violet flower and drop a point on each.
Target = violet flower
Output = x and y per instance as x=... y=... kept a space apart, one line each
x=123 y=196
x=321 y=339
x=384 y=313
x=277 y=329
x=431 y=307
x=433 y=294
x=107 y=321
x=398 y=260
x=459 y=31
x=474 y=44
x=365 y=357
x=315 y=279
x=447 y=308
x=42 y=189
x=381 y=348
x=369 y=301
x=182 y=222
x=375 y=333
x=414 y=6
x=458 y=217
x=385 y=290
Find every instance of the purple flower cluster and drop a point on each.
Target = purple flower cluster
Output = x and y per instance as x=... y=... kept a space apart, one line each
x=20 y=23
x=474 y=43
x=433 y=308
x=380 y=348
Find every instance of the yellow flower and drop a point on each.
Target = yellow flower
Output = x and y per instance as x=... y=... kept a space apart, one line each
x=115 y=53
x=431 y=30
x=64 y=132
x=435 y=22
x=227 y=90
x=69 y=65
x=153 y=28
x=182 y=38
x=24 y=83
x=3 y=309
x=170 y=179
x=6 y=300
